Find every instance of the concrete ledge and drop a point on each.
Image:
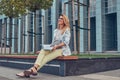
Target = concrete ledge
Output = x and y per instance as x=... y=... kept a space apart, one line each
x=88 y=66
x=64 y=66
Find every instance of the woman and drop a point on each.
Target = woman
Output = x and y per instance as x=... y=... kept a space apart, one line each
x=60 y=46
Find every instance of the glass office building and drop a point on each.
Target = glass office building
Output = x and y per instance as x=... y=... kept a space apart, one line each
x=104 y=27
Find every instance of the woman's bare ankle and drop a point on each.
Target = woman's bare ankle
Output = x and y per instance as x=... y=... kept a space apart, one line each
x=36 y=66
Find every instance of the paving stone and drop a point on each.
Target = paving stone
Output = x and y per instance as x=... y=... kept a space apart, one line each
x=7 y=73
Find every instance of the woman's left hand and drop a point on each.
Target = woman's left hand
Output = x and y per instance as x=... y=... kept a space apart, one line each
x=37 y=52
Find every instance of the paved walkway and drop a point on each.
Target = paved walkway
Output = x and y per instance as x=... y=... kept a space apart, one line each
x=3 y=78
x=9 y=74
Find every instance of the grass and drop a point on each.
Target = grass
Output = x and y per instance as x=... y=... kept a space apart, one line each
x=97 y=55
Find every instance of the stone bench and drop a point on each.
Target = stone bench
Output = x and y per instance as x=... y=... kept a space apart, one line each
x=56 y=66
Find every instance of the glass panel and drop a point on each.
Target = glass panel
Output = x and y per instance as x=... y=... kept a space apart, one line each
x=92 y=7
x=110 y=6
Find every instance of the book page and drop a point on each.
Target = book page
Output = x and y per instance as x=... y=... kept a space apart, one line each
x=47 y=47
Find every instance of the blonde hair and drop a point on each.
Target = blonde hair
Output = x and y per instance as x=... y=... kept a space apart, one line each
x=66 y=21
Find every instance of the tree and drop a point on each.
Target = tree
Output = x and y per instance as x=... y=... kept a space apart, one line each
x=12 y=9
x=16 y=8
x=33 y=5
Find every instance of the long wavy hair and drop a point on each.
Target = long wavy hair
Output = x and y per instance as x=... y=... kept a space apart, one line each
x=66 y=21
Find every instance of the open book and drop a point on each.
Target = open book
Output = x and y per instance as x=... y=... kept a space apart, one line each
x=47 y=47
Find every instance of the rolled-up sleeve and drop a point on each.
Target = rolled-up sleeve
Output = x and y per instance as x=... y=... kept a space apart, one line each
x=66 y=37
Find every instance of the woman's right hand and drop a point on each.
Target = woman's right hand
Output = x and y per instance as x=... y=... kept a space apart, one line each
x=54 y=48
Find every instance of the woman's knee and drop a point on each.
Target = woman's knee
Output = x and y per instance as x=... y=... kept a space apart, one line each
x=58 y=52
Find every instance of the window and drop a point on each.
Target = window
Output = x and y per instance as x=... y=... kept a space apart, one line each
x=49 y=16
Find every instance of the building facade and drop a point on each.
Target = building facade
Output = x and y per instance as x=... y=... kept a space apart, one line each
x=106 y=21
x=104 y=27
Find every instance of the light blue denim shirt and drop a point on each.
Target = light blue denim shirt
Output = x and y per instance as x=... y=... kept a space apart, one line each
x=65 y=38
